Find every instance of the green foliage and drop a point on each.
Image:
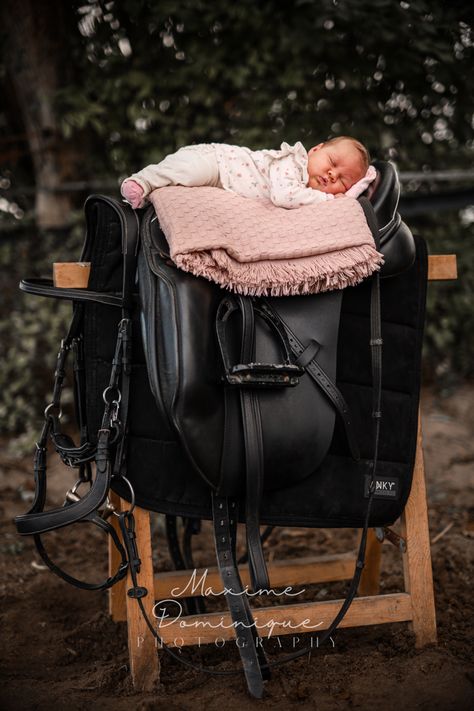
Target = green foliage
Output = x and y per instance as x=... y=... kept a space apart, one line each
x=31 y=329
x=152 y=76
x=395 y=74
x=449 y=331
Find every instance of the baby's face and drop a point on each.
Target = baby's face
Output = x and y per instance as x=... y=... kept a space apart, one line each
x=334 y=168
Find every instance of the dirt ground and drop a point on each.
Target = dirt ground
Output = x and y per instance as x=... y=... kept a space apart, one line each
x=61 y=650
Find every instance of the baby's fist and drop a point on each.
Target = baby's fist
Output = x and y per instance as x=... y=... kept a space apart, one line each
x=133 y=193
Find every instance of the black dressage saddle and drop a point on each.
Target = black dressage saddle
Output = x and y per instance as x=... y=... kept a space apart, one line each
x=203 y=404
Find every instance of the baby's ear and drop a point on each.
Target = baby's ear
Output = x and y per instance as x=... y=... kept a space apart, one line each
x=315 y=148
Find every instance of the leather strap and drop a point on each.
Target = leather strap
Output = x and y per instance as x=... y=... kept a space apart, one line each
x=38 y=521
x=305 y=356
x=376 y=357
x=251 y=653
x=230 y=305
x=103 y=585
x=45 y=287
x=254 y=465
x=265 y=535
x=321 y=379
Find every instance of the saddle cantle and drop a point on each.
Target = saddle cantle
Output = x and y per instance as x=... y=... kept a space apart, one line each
x=396 y=240
x=198 y=403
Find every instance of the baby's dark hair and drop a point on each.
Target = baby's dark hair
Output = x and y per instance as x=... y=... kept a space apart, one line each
x=363 y=152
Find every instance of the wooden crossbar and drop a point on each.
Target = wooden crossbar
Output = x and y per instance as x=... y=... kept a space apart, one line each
x=277 y=620
x=442 y=266
x=282 y=573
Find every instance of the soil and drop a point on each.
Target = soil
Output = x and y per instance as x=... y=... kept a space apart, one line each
x=61 y=650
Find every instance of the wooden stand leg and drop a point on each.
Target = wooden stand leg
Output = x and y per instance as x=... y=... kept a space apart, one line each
x=144 y=662
x=417 y=559
x=370 y=579
x=117 y=593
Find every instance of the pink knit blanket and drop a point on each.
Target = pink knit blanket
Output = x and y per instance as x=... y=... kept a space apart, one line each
x=252 y=247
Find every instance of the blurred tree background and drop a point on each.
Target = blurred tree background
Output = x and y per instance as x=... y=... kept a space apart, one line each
x=92 y=91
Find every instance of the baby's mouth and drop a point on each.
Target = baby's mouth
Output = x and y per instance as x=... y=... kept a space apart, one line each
x=322 y=181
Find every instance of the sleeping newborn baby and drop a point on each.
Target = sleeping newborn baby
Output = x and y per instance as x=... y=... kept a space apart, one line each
x=290 y=177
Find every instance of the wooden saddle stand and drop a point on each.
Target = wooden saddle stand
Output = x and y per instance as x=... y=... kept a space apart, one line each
x=164 y=429
x=415 y=604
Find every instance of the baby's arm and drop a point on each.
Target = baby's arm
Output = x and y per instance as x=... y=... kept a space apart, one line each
x=287 y=188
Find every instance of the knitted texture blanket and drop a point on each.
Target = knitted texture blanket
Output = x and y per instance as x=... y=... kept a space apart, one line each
x=252 y=247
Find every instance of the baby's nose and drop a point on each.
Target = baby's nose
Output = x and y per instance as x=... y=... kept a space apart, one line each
x=332 y=172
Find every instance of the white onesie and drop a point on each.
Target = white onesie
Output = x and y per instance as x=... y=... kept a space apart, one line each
x=280 y=176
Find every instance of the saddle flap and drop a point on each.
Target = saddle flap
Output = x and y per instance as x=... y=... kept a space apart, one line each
x=185 y=369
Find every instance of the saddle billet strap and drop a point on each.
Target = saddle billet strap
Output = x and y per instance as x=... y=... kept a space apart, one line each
x=237 y=602
x=253 y=445
x=253 y=439
x=231 y=513
x=314 y=370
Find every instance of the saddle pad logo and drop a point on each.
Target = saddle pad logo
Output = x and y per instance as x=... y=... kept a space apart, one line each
x=385 y=487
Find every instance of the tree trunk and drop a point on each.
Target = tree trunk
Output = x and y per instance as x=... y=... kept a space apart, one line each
x=38 y=63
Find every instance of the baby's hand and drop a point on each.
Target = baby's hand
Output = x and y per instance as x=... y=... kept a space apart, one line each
x=340 y=195
x=362 y=184
x=133 y=193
